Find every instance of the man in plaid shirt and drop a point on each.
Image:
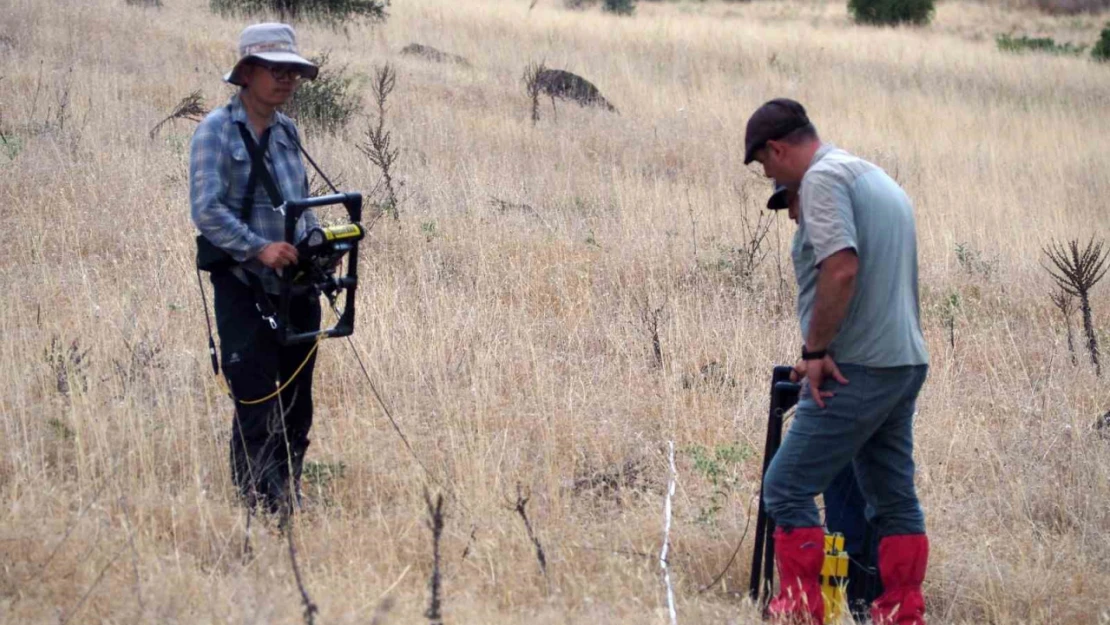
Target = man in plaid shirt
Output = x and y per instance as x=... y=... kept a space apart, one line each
x=268 y=439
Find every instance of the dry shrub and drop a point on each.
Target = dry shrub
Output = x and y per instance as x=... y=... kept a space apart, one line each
x=1071 y=7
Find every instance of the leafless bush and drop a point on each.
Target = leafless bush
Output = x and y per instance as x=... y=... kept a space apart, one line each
x=974 y=262
x=142 y=364
x=1076 y=273
x=532 y=87
x=741 y=263
x=1071 y=7
x=69 y=365
x=613 y=482
x=378 y=147
x=191 y=107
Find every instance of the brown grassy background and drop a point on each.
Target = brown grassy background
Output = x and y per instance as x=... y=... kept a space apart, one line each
x=510 y=341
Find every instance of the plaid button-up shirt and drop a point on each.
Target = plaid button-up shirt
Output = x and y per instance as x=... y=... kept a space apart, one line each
x=219 y=165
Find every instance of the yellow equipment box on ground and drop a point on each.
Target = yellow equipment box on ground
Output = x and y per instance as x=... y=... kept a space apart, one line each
x=834 y=578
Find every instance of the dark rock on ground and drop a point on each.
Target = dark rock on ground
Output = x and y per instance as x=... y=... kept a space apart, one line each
x=558 y=83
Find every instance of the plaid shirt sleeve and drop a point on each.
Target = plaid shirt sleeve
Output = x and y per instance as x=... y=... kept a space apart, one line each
x=209 y=181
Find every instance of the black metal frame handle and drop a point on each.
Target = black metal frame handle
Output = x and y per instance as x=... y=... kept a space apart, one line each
x=784 y=394
x=346 y=324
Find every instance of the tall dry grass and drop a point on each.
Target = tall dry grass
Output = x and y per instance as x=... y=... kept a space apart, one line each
x=510 y=341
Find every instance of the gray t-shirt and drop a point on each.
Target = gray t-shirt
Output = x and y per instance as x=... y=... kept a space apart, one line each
x=849 y=203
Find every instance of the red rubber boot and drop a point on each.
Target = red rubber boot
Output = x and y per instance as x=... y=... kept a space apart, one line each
x=902 y=561
x=799 y=553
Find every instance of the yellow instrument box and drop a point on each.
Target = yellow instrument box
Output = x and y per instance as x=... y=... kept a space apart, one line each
x=834 y=578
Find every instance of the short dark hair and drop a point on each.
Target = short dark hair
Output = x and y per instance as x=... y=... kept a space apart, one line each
x=800 y=135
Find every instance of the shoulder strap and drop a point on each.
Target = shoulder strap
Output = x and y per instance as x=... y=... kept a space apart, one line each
x=258 y=170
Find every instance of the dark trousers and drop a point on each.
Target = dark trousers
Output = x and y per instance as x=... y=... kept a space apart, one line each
x=268 y=440
x=845 y=513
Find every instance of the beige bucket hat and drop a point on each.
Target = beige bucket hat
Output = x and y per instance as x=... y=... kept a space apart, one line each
x=271 y=42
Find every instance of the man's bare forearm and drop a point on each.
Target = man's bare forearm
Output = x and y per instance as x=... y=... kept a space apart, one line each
x=836 y=283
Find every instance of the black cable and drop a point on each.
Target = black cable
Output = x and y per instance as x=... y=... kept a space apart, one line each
x=312 y=162
x=208 y=322
x=396 y=428
x=735 y=552
x=365 y=373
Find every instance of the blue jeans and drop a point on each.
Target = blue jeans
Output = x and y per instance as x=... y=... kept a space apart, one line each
x=869 y=423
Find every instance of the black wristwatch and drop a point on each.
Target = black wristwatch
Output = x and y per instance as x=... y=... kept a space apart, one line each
x=817 y=355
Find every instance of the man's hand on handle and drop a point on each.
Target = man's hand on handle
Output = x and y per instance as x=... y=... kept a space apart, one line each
x=278 y=255
x=815 y=372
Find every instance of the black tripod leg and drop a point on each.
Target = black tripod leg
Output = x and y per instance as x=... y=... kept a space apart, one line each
x=761 y=520
x=763 y=553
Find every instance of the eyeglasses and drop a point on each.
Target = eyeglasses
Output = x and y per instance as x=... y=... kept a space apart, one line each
x=283 y=72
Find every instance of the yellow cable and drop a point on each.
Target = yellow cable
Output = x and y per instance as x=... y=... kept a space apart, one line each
x=226 y=388
x=255 y=402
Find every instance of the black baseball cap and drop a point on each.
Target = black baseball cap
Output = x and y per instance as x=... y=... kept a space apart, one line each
x=780 y=197
x=771 y=122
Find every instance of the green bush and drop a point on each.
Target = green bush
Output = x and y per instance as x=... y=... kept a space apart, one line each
x=1006 y=43
x=891 y=12
x=325 y=103
x=1101 y=51
x=619 y=7
x=332 y=12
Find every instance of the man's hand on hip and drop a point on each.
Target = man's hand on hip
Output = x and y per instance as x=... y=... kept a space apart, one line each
x=816 y=371
x=278 y=255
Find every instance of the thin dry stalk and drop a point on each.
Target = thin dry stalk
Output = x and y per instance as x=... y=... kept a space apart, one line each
x=3 y=136
x=99 y=578
x=435 y=523
x=663 y=564
x=286 y=524
x=653 y=318
x=520 y=508
x=693 y=226
x=378 y=147
x=248 y=551
x=191 y=107
x=134 y=556
x=1065 y=303
x=469 y=541
x=70 y=528
x=754 y=251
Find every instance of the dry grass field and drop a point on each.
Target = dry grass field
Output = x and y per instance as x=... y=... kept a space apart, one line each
x=503 y=317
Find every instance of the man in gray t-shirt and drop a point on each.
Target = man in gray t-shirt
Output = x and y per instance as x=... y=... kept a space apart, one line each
x=864 y=361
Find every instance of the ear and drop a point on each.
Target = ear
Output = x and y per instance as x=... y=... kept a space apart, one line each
x=246 y=74
x=776 y=148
